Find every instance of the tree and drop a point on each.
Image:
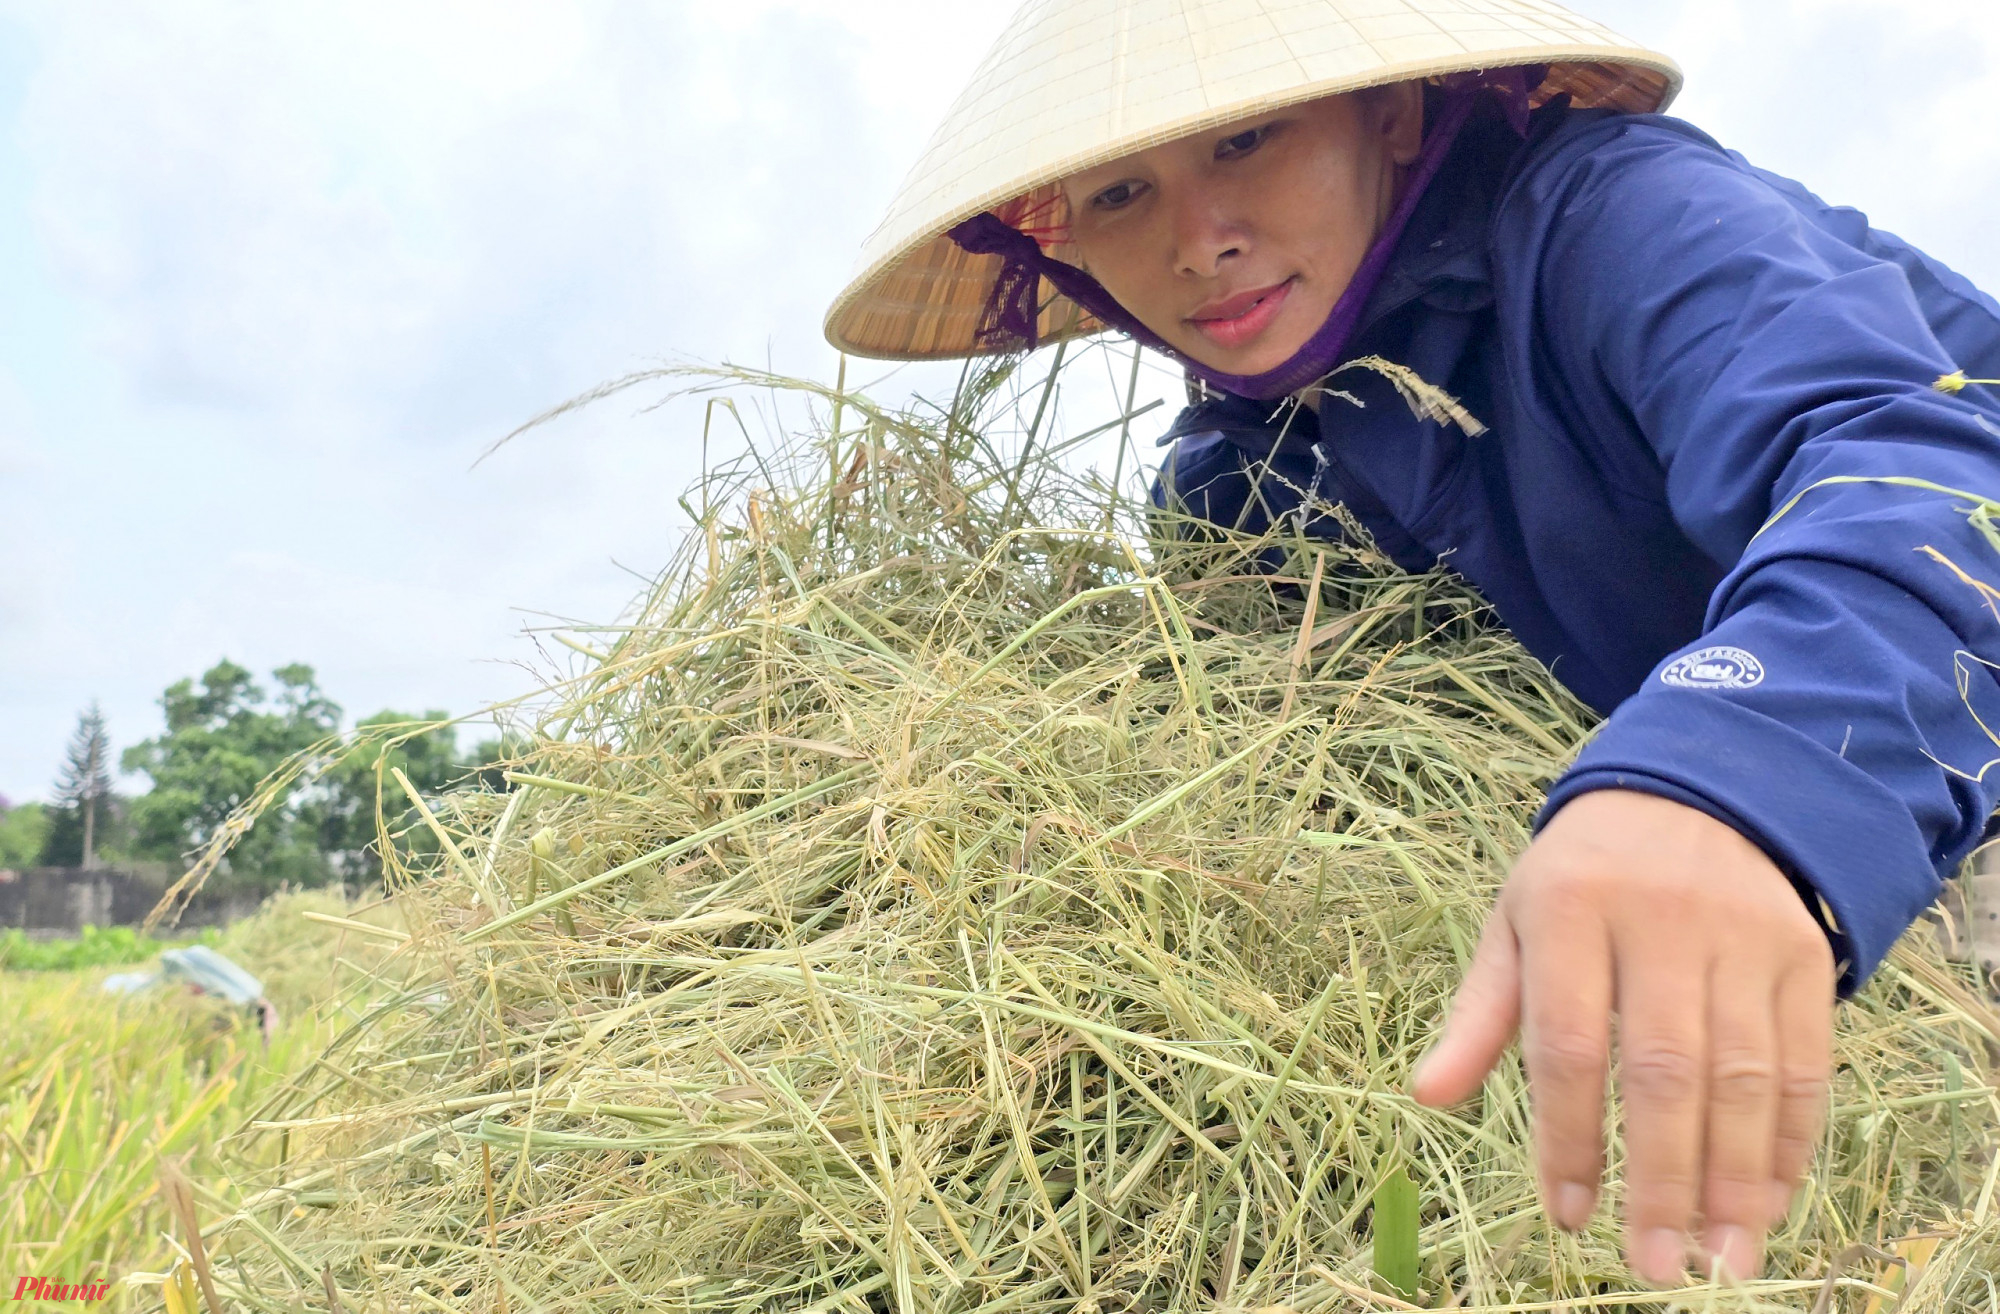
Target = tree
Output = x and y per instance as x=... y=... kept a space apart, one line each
x=83 y=788
x=24 y=832
x=494 y=757
x=344 y=805
x=223 y=737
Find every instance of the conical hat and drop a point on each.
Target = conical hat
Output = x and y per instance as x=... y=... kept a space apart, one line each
x=1073 y=84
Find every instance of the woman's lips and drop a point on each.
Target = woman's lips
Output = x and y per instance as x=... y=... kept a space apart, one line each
x=1238 y=321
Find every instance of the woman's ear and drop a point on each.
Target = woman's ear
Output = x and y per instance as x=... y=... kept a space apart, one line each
x=1399 y=111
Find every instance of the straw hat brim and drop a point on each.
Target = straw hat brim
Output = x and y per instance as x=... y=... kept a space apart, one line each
x=918 y=296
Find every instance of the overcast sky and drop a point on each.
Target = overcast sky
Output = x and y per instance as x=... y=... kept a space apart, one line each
x=272 y=276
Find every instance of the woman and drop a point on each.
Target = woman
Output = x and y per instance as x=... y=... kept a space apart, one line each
x=1694 y=380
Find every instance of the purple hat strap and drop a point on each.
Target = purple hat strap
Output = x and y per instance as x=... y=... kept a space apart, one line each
x=1011 y=319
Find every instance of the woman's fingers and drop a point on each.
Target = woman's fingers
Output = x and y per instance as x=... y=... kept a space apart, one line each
x=1744 y=1082
x=1663 y=1070
x=1484 y=1017
x=1566 y=1042
x=1805 y=1029
x=1722 y=987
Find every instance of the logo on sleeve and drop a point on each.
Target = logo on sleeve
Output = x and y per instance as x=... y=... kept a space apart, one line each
x=1715 y=668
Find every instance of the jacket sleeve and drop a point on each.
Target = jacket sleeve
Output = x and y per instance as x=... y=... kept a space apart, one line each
x=1836 y=710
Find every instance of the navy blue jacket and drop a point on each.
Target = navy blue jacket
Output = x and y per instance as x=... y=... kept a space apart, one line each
x=1669 y=347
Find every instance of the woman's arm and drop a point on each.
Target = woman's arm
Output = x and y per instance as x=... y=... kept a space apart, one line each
x=1832 y=714
x=1769 y=365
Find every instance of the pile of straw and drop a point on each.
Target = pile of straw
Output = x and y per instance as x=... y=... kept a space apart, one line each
x=951 y=892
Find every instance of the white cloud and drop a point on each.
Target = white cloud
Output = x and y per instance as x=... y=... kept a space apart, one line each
x=1885 y=105
x=399 y=216
x=298 y=264
x=325 y=253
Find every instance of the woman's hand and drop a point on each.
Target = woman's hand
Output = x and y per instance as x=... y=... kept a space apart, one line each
x=1723 y=985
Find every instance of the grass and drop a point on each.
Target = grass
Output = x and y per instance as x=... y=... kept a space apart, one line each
x=97 y=1092
x=951 y=889
x=94 y=946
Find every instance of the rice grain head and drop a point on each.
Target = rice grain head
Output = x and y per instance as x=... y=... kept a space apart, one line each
x=931 y=899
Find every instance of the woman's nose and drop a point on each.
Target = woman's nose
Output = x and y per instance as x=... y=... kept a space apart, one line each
x=1205 y=238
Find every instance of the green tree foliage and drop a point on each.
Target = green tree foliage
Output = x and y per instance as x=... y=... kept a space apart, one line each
x=93 y=946
x=83 y=811
x=495 y=757
x=223 y=737
x=24 y=830
x=344 y=802
x=64 y=831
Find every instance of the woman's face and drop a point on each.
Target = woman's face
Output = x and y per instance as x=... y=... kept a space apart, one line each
x=1234 y=246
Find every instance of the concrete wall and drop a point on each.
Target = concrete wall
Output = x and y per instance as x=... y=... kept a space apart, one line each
x=68 y=898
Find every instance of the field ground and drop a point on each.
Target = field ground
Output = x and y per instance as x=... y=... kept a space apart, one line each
x=95 y=1091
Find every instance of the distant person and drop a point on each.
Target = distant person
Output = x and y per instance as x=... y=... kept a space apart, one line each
x=202 y=971
x=1697 y=396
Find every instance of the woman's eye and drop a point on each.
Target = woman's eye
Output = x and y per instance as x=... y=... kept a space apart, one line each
x=1116 y=197
x=1241 y=144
